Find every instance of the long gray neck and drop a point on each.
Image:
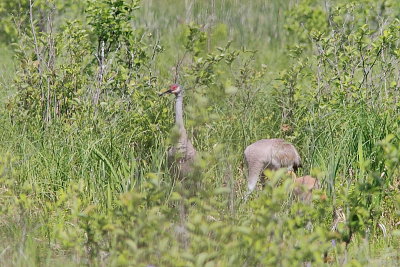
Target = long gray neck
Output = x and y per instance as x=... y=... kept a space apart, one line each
x=179 y=112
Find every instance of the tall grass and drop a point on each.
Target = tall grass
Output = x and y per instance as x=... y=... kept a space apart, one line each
x=6 y=72
x=99 y=162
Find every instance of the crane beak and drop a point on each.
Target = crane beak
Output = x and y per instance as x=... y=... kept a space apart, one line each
x=166 y=92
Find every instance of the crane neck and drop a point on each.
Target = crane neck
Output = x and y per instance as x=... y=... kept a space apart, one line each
x=179 y=112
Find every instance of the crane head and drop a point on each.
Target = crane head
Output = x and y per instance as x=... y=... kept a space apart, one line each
x=173 y=89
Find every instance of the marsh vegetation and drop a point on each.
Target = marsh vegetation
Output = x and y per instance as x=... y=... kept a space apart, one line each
x=84 y=135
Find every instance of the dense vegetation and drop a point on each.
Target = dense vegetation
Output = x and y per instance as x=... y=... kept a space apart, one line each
x=83 y=173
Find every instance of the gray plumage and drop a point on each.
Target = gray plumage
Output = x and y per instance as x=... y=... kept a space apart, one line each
x=270 y=154
x=182 y=154
x=181 y=157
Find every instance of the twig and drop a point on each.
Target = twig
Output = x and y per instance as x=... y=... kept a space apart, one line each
x=37 y=52
x=177 y=67
x=4 y=251
x=370 y=67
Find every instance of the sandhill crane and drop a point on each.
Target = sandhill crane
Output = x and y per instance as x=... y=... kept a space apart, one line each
x=180 y=156
x=304 y=186
x=270 y=154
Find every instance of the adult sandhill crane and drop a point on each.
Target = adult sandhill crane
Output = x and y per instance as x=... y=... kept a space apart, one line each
x=270 y=154
x=304 y=186
x=181 y=155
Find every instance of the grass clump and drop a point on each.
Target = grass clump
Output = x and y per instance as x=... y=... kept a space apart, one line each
x=83 y=146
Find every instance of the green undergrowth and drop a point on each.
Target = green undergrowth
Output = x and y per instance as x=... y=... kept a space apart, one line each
x=84 y=135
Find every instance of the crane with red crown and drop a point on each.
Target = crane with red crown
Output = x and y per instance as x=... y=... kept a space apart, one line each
x=182 y=154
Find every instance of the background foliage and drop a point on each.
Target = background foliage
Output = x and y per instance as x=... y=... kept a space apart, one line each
x=83 y=142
